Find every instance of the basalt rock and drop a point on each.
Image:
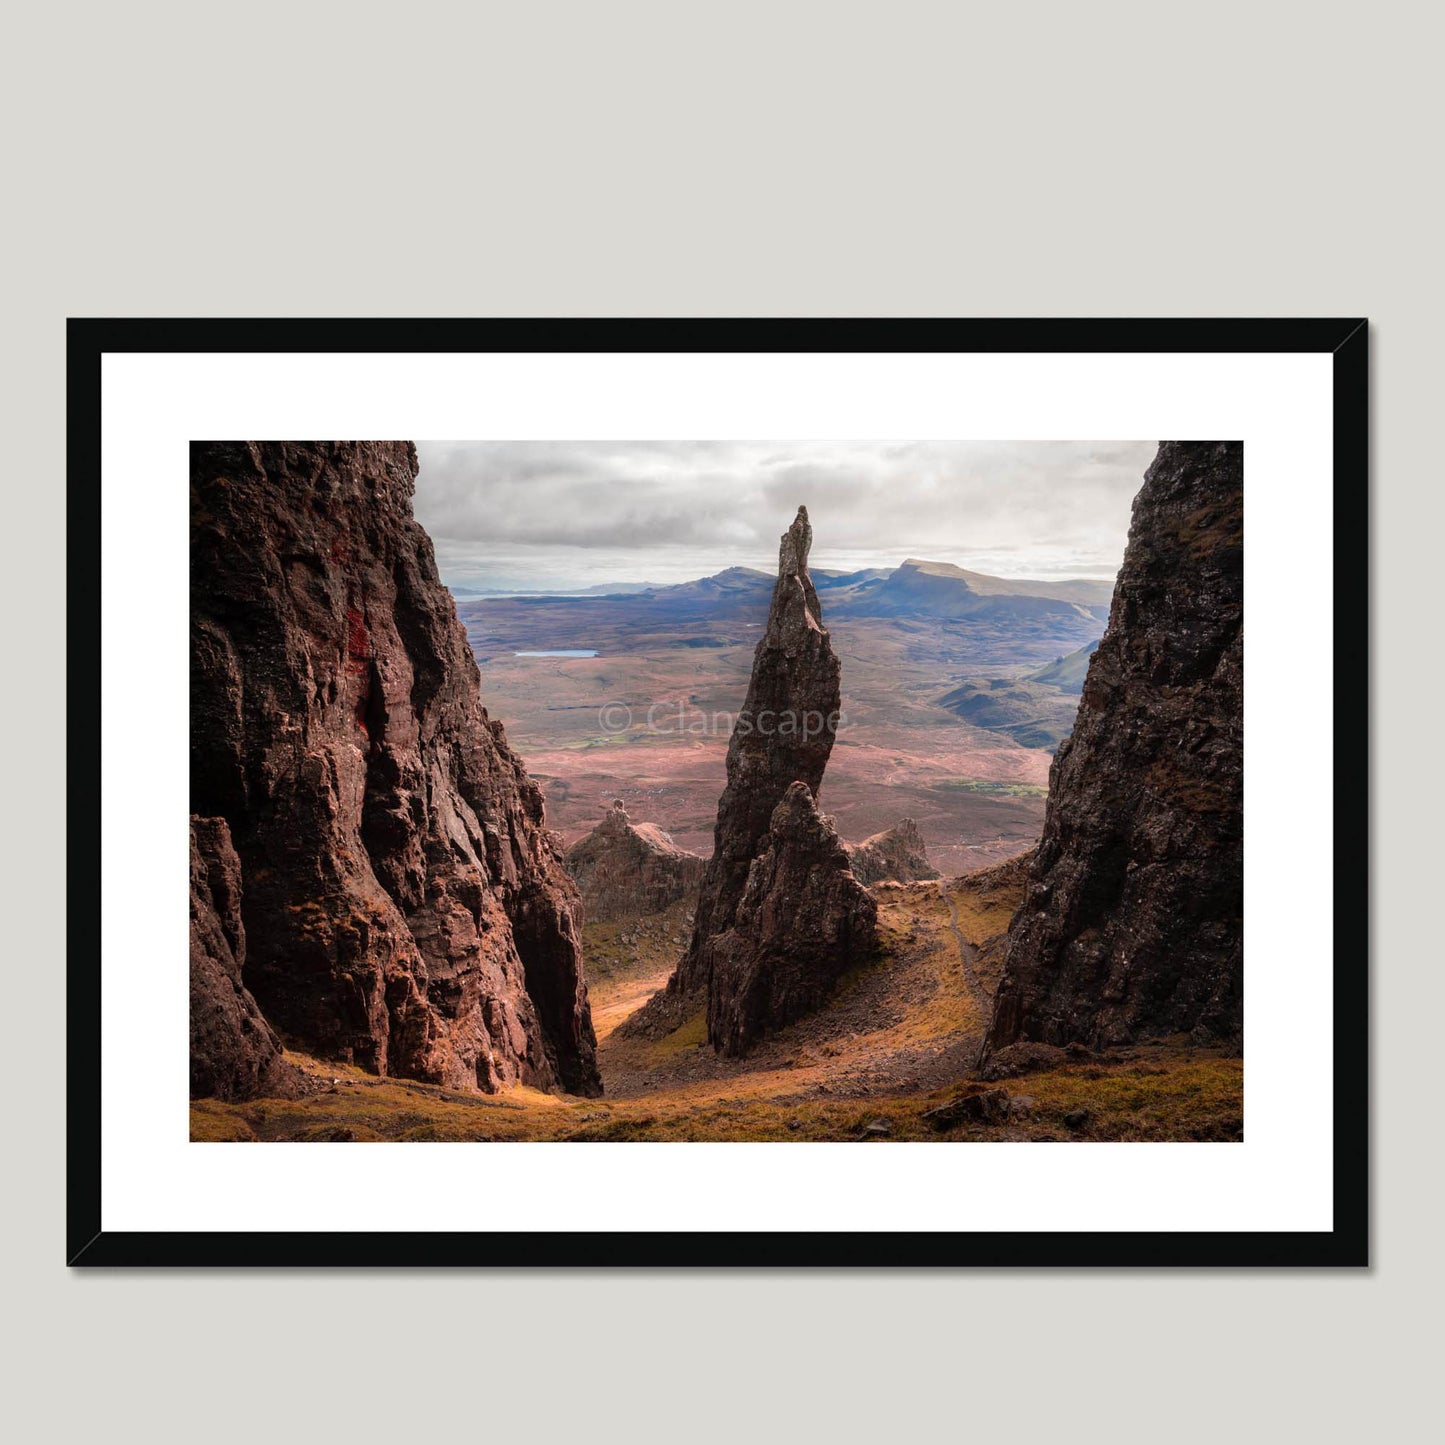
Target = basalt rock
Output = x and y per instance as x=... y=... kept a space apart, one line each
x=981 y=1106
x=624 y=869
x=1131 y=927
x=783 y=734
x=803 y=921
x=235 y=1053
x=896 y=855
x=404 y=906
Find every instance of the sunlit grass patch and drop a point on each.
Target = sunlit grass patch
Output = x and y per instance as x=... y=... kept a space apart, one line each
x=691 y=1034
x=992 y=789
x=1150 y=1094
x=213 y=1122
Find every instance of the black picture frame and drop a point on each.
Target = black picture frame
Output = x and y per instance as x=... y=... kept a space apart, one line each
x=1347 y=1244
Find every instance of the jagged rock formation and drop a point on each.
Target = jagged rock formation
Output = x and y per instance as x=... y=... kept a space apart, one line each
x=896 y=855
x=235 y=1053
x=404 y=905
x=803 y=921
x=624 y=869
x=1132 y=923
x=783 y=735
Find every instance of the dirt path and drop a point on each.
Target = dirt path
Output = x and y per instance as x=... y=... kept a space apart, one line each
x=967 y=953
x=613 y=1002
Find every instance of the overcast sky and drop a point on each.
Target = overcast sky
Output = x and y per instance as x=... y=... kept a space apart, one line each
x=538 y=515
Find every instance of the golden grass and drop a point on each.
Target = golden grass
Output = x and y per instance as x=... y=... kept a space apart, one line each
x=628 y=962
x=691 y=1034
x=1155 y=1093
x=636 y=946
x=213 y=1123
x=1158 y=1092
x=818 y=1082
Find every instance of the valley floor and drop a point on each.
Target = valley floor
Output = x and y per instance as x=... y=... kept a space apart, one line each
x=899 y=1040
x=583 y=725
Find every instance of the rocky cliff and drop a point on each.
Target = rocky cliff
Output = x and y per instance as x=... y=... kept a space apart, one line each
x=896 y=855
x=235 y=1053
x=624 y=869
x=803 y=921
x=404 y=906
x=783 y=734
x=1132 y=923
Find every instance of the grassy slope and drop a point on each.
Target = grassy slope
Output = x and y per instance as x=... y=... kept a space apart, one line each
x=898 y=1039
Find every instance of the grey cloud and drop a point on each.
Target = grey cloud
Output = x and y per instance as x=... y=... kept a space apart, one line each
x=665 y=511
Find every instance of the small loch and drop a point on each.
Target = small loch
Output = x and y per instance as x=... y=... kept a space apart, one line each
x=560 y=652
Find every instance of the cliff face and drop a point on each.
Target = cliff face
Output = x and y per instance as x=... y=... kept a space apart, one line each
x=1132 y=925
x=803 y=921
x=404 y=906
x=783 y=735
x=624 y=869
x=896 y=855
x=234 y=1052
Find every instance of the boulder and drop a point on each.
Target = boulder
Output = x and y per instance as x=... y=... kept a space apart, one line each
x=985 y=1106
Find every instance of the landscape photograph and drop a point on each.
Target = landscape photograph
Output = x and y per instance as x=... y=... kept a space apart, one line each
x=716 y=791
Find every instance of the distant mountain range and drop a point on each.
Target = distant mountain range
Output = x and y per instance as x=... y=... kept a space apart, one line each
x=938 y=589
x=948 y=621
x=917 y=588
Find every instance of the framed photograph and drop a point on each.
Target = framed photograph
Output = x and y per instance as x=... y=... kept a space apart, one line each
x=717 y=793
